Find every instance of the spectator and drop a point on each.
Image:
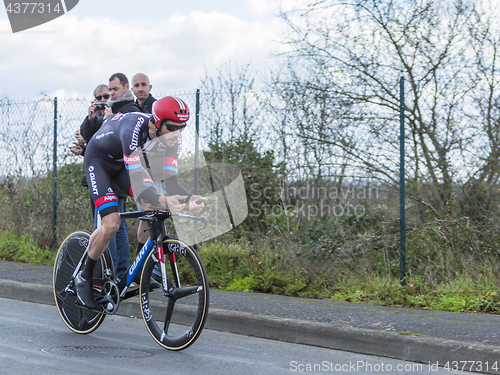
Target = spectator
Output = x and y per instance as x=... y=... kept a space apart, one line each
x=141 y=89
x=121 y=98
x=121 y=101
x=91 y=123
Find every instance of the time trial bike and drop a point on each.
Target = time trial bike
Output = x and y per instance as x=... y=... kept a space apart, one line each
x=183 y=296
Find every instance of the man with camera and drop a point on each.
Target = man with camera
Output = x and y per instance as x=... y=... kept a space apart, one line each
x=92 y=122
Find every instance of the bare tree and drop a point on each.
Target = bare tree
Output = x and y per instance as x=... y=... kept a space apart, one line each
x=227 y=104
x=359 y=50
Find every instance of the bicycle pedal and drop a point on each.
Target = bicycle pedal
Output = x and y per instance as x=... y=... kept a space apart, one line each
x=108 y=307
x=98 y=310
x=132 y=293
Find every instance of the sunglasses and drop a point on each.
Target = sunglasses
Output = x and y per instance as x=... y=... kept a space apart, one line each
x=105 y=96
x=173 y=128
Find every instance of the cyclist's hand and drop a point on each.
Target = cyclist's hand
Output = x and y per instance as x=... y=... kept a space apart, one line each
x=194 y=204
x=172 y=202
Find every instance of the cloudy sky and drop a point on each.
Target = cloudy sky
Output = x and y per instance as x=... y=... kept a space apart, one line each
x=174 y=42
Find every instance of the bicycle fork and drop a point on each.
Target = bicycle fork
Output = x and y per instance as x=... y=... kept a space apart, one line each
x=161 y=258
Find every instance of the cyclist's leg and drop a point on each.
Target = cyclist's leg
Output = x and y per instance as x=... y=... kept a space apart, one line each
x=98 y=243
x=98 y=173
x=142 y=234
x=142 y=237
x=122 y=244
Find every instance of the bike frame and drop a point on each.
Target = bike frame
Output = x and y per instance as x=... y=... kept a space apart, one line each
x=157 y=234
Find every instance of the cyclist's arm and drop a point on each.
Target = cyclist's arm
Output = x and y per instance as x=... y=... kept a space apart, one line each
x=173 y=187
x=142 y=185
x=170 y=172
x=141 y=182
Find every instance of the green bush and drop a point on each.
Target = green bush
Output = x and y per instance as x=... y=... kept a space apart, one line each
x=28 y=205
x=24 y=249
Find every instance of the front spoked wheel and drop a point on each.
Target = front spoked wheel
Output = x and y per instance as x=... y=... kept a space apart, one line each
x=77 y=318
x=175 y=318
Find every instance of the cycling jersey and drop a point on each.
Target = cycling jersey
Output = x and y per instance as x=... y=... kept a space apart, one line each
x=121 y=151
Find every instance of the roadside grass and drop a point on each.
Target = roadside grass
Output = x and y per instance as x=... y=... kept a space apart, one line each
x=460 y=295
x=453 y=256
x=239 y=267
x=24 y=249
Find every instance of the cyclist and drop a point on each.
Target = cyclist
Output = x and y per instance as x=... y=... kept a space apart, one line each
x=116 y=153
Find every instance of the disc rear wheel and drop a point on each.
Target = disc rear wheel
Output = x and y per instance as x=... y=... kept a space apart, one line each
x=77 y=318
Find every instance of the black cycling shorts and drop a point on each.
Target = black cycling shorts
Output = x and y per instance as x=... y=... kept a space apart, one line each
x=100 y=170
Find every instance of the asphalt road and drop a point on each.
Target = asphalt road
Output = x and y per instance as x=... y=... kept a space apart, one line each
x=34 y=340
x=470 y=341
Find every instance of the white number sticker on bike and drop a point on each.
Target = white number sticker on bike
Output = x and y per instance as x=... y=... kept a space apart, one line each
x=175 y=247
x=145 y=308
x=83 y=242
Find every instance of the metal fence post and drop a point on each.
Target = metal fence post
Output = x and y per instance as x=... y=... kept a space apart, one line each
x=196 y=158
x=54 y=179
x=402 y=217
x=197 y=143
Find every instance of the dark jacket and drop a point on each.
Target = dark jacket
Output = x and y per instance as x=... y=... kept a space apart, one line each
x=89 y=127
x=125 y=104
x=147 y=106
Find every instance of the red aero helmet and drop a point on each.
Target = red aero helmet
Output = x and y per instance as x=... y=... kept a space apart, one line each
x=169 y=108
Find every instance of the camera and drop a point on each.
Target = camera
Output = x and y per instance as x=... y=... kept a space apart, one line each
x=100 y=106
